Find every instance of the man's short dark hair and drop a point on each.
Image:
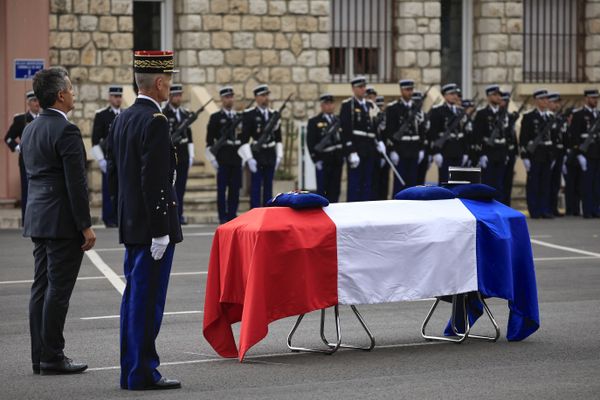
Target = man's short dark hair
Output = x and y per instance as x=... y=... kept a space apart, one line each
x=47 y=83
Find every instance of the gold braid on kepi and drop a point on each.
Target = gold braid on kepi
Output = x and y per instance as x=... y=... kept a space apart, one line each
x=153 y=62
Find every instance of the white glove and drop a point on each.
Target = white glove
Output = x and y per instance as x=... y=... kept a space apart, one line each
x=527 y=164
x=215 y=164
x=102 y=165
x=18 y=149
x=158 y=247
x=191 y=153
x=191 y=161
x=380 y=147
x=483 y=162
x=438 y=159
x=465 y=159
x=421 y=156
x=277 y=162
x=353 y=160
x=582 y=162
x=319 y=165
x=382 y=162
x=278 y=154
x=252 y=165
x=394 y=157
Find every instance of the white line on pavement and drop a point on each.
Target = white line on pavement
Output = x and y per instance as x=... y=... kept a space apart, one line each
x=92 y=278
x=249 y=358
x=564 y=258
x=111 y=249
x=199 y=234
x=565 y=248
x=112 y=277
x=118 y=316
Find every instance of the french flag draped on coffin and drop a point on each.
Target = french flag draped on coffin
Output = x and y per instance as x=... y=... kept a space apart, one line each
x=276 y=262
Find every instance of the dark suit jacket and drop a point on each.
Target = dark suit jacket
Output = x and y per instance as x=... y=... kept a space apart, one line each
x=141 y=166
x=54 y=157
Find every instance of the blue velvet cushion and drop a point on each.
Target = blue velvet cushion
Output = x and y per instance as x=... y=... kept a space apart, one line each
x=425 y=193
x=475 y=191
x=298 y=200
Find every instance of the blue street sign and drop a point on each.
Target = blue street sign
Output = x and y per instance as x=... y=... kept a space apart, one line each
x=26 y=68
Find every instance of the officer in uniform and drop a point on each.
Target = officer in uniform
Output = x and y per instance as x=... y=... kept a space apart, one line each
x=262 y=161
x=473 y=150
x=405 y=135
x=359 y=137
x=381 y=178
x=588 y=159
x=423 y=166
x=558 y=135
x=228 y=164
x=141 y=166
x=450 y=150
x=513 y=150
x=13 y=141
x=535 y=127
x=492 y=120
x=177 y=114
x=102 y=121
x=325 y=147
x=371 y=94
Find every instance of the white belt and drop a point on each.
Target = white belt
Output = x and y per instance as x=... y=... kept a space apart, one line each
x=584 y=135
x=412 y=138
x=331 y=148
x=268 y=145
x=499 y=141
x=363 y=133
x=547 y=143
x=454 y=135
x=233 y=142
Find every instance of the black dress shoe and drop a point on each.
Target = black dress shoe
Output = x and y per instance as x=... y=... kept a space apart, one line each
x=36 y=369
x=558 y=214
x=588 y=216
x=548 y=216
x=62 y=367
x=164 y=384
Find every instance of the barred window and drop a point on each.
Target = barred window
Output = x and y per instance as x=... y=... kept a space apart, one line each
x=553 y=41
x=361 y=39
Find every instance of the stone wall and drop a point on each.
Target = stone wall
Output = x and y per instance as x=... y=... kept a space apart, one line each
x=248 y=42
x=418 y=43
x=592 y=40
x=93 y=39
x=497 y=43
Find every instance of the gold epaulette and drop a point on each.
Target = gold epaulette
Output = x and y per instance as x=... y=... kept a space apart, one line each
x=159 y=114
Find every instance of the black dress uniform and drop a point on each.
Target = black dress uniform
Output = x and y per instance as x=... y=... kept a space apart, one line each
x=582 y=122
x=558 y=135
x=513 y=151
x=176 y=117
x=494 y=150
x=330 y=160
x=102 y=122
x=229 y=170
x=409 y=144
x=455 y=148
x=253 y=124
x=141 y=164
x=12 y=139
x=535 y=123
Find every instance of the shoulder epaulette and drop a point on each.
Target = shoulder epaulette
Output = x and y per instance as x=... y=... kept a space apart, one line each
x=347 y=100
x=101 y=109
x=481 y=108
x=577 y=110
x=529 y=111
x=438 y=105
x=393 y=103
x=159 y=114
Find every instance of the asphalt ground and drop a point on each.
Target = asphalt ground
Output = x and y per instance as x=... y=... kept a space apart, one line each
x=560 y=361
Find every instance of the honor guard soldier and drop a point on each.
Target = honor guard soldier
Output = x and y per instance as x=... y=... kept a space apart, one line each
x=266 y=152
x=381 y=177
x=585 y=145
x=558 y=135
x=222 y=144
x=141 y=166
x=536 y=153
x=102 y=122
x=405 y=134
x=447 y=142
x=473 y=150
x=184 y=143
x=423 y=166
x=13 y=141
x=490 y=125
x=325 y=147
x=359 y=137
x=513 y=150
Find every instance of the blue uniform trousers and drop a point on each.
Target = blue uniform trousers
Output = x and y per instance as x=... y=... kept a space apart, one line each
x=538 y=189
x=422 y=170
x=409 y=170
x=108 y=214
x=555 y=182
x=182 y=169
x=590 y=188
x=572 y=188
x=508 y=176
x=261 y=179
x=229 y=180
x=493 y=175
x=448 y=162
x=329 y=180
x=360 y=180
x=142 y=310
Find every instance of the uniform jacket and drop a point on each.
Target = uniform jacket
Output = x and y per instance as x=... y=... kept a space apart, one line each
x=102 y=121
x=534 y=122
x=439 y=117
x=483 y=125
x=316 y=130
x=183 y=153
x=359 y=133
x=54 y=157
x=413 y=139
x=582 y=121
x=253 y=124
x=227 y=155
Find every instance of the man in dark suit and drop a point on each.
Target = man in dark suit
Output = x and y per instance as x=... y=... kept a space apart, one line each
x=177 y=114
x=224 y=127
x=262 y=161
x=13 y=137
x=57 y=218
x=141 y=169
x=102 y=121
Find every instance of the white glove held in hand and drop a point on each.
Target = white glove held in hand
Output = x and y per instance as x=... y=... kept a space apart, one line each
x=483 y=162
x=252 y=165
x=215 y=164
x=381 y=147
x=582 y=162
x=353 y=160
x=158 y=247
x=102 y=165
x=394 y=158
x=438 y=159
x=527 y=164
x=421 y=156
x=319 y=165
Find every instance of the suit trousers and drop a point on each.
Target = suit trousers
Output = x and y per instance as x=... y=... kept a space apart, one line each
x=108 y=212
x=507 y=184
x=538 y=189
x=329 y=179
x=142 y=310
x=573 y=185
x=590 y=188
x=493 y=175
x=409 y=171
x=57 y=263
